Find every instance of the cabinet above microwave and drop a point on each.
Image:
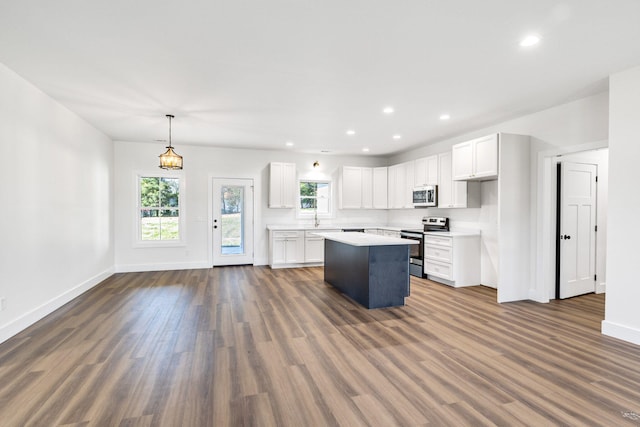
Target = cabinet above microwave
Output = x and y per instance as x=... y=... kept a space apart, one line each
x=476 y=160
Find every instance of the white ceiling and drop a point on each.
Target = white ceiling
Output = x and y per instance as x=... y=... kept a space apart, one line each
x=251 y=73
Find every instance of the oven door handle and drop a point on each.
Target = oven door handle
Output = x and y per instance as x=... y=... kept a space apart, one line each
x=412 y=235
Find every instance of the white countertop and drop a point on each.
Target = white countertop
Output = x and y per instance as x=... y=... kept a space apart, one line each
x=334 y=227
x=364 y=239
x=454 y=233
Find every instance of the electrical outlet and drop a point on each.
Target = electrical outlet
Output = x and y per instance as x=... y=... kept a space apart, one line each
x=2 y=303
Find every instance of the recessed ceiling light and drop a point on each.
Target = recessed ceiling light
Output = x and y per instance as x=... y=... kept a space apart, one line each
x=365 y=149
x=289 y=144
x=530 y=40
x=388 y=110
x=351 y=132
x=396 y=136
x=445 y=117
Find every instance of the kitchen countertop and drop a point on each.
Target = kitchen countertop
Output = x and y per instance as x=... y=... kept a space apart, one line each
x=334 y=227
x=364 y=239
x=310 y=227
x=453 y=233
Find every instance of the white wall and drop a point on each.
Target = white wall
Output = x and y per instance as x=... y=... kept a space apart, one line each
x=200 y=165
x=573 y=124
x=56 y=223
x=623 y=293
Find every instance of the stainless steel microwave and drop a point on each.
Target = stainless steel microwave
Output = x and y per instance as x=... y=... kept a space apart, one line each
x=425 y=196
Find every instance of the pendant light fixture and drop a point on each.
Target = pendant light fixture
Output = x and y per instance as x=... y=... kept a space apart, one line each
x=169 y=159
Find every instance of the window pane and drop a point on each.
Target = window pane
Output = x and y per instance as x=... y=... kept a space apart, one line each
x=323 y=197
x=308 y=188
x=149 y=192
x=169 y=192
x=149 y=224
x=232 y=219
x=169 y=228
x=323 y=205
x=307 y=204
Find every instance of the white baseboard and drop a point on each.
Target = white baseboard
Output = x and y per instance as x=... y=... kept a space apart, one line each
x=23 y=322
x=622 y=332
x=601 y=288
x=135 y=268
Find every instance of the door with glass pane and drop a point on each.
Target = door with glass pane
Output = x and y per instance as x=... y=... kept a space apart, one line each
x=232 y=221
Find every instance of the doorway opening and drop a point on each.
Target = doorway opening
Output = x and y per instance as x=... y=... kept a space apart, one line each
x=580 y=223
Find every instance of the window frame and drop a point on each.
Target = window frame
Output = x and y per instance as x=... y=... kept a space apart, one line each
x=138 y=242
x=300 y=213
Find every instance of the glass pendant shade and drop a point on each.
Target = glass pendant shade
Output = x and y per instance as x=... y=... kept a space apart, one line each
x=170 y=159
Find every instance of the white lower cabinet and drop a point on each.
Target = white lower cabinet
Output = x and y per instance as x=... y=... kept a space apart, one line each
x=453 y=260
x=286 y=247
x=314 y=246
x=295 y=248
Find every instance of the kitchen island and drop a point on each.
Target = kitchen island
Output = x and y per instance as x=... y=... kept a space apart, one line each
x=373 y=270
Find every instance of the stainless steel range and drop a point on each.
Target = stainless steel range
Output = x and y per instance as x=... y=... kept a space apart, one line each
x=435 y=223
x=416 y=252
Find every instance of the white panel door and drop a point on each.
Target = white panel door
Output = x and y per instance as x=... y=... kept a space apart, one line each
x=232 y=221
x=577 y=230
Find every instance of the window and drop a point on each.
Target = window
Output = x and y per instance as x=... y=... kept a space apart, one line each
x=315 y=197
x=159 y=209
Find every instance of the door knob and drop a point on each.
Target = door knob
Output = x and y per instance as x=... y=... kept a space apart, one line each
x=566 y=237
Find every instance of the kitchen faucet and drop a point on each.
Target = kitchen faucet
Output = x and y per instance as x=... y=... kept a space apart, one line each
x=316 y=222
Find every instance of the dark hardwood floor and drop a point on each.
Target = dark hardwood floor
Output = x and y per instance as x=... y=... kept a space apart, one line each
x=254 y=346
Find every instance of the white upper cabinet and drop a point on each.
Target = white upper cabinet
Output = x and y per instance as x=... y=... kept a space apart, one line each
x=379 y=191
x=362 y=188
x=451 y=194
x=409 y=169
x=282 y=185
x=476 y=160
x=367 y=188
x=398 y=186
x=426 y=171
x=350 y=187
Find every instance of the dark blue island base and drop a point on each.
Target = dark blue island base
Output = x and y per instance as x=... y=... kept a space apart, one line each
x=374 y=276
